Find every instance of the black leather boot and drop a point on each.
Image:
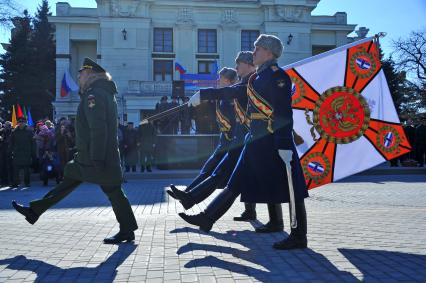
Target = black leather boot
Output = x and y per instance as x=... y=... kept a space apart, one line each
x=183 y=197
x=276 y=223
x=26 y=211
x=297 y=238
x=120 y=237
x=248 y=214
x=216 y=209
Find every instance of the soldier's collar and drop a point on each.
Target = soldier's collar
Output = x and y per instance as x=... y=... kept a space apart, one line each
x=266 y=65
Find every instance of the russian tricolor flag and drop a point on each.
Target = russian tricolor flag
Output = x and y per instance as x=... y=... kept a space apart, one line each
x=68 y=84
x=179 y=68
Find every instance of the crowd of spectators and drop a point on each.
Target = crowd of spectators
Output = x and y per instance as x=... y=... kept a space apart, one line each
x=46 y=147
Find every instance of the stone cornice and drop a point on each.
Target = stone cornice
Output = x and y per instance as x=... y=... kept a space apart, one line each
x=331 y=27
x=73 y=20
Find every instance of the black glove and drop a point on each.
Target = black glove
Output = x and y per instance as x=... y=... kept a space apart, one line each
x=99 y=165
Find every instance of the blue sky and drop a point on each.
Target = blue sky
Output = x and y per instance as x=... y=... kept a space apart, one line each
x=397 y=18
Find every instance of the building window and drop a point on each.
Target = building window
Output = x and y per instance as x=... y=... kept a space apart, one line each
x=163 y=40
x=206 y=67
x=163 y=70
x=318 y=49
x=248 y=37
x=207 y=41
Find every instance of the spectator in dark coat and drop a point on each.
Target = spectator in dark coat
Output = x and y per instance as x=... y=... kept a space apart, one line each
x=146 y=140
x=174 y=119
x=185 y=118
x=130 y=144
x=63 y=143
x=22 y=150
x=163 y=124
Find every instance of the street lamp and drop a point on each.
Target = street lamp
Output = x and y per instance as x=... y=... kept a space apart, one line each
x=289 y=39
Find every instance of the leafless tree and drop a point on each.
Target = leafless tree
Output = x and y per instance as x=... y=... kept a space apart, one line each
x=8 y=10
x=411 y=54
x=410 y=57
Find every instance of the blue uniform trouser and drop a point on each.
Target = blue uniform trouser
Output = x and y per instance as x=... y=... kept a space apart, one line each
x=209 y=166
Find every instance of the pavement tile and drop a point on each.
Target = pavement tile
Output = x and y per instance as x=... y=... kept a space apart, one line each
x=370 y=228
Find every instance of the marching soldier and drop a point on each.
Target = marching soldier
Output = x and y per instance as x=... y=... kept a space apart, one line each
x=260 y=175
x=225 y=121
x=225 y=167
x=221 y=174
x=97 y=159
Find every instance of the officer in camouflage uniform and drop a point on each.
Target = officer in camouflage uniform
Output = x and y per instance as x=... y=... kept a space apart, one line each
x=260 y=175
x=97 y=159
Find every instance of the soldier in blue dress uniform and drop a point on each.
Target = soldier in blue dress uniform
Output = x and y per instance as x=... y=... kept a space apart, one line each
x=260 y=175
x=224 y=118
x=221 y=174
x=218 y=179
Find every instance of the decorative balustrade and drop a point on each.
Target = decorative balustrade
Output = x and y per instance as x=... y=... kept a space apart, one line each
x=152 y=88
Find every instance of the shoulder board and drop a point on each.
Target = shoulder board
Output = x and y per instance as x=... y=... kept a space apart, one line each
x=274 y=68
x=279 y=73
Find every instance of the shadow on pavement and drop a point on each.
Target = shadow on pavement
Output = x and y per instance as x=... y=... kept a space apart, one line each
x=264 y=263
x=106 y=271
x=387 y=266
x=86 y=195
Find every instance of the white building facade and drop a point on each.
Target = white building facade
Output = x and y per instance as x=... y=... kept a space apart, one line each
x=139 y=41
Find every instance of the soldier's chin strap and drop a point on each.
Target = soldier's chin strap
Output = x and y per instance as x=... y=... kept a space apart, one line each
x=164 y=113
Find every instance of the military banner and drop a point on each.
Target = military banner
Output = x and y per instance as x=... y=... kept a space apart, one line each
x=343 y=109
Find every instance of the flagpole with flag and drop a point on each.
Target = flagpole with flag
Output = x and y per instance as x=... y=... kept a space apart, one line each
x=19 y=113
x=30 y=118
x=343 y=110
x=14 y=121
x=68 y=84
x=179 y=68
x=25 y=112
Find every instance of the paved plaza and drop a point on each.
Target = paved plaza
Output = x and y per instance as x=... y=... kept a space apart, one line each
x=365 y=228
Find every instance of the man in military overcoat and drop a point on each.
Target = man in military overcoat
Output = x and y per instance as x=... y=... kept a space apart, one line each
x=260 y=175
x=97 y=159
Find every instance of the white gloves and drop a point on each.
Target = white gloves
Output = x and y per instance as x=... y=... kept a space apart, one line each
x=286 y=155
x=195 y=99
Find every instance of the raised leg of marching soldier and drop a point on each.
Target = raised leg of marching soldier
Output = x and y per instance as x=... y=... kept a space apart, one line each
x=297 y=238
x=215 y=210
x=208 y=167
x=120 y=205
x=197 y=194
x=248 y=214
x=205 y=172
x=38 y=207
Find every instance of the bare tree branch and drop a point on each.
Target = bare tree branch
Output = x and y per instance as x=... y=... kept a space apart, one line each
x=411 y=54
x=8 y=10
